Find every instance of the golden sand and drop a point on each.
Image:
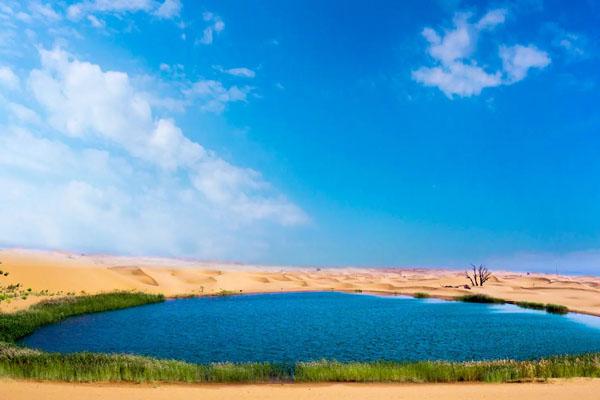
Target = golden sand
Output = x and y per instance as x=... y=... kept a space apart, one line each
x=580 y=389
x=62 y=273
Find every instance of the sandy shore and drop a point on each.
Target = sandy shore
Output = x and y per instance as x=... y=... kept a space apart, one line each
x=62 y=273
x=580 y=389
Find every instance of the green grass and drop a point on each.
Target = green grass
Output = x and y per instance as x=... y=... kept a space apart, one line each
x=556 y=309
x=14 y=326
x=480 y=298
x=435 y=371
x=22 y=363
x=551 y=308
x=421 y=295
x=224 y=293
x=531 y=305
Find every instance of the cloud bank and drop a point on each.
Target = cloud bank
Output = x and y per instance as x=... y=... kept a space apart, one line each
x=89 y=165
x=457 y=72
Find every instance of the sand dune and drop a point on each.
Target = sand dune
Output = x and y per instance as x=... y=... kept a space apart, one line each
x=61 y=273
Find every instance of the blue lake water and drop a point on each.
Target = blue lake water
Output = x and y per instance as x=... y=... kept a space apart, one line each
x=312 y=326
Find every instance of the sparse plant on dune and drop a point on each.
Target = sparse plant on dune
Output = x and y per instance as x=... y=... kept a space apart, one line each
x=478 y=275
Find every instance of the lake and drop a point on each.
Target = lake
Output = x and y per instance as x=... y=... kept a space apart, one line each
x=290 y=327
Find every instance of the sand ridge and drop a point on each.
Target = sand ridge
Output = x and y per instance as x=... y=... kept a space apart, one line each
x=61 y=273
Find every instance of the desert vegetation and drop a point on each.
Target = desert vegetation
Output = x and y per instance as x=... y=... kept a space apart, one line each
x=480 y=298
x=14 y=326
x=421 y=295
x=478 y=275
x=22 y=363
x=483 y=298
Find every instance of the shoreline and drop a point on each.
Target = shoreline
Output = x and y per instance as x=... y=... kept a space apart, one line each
x=366 y=292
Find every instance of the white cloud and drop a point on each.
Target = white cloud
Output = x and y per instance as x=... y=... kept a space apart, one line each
x=169 y=9
x=107 y=174
x=219 y=25
x=518 y=60
x=96 y=22
x=457 y=72
x=575 y=45
x=22 y=113
x=242 y=71
x=81 y=100
x=214 y=96
x=207 y=36
x=216 y=25
x=8 y=78
x=43 y=11
x=492 y=18
x=457 y=79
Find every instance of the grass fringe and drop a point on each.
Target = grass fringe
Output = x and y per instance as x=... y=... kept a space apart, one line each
x=14 y=326
x=22 y=363
x=480 y=298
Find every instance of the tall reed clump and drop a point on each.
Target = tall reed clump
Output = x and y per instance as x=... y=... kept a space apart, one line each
x=22 y=363
x=480 y=298
x=531 y=305
x=14 y=326
x=551 y=308
x=437 y=371
x=556 y=309
x=421 y=295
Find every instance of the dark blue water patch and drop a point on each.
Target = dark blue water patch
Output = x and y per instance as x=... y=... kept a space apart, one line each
x=312 y=326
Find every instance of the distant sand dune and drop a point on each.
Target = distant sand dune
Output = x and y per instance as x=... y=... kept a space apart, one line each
x=60 y=272
x=136 y=273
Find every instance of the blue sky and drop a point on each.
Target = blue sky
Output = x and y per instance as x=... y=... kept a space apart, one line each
x=416 y=133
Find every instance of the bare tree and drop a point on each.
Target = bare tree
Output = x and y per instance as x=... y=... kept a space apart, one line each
x=478 y=275
x=472 y=277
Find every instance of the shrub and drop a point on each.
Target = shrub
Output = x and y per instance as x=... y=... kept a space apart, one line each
x=421 y=295
x=480 y=298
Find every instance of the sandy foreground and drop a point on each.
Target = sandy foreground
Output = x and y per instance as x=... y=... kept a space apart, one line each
x=61 y=273
x=580 y=389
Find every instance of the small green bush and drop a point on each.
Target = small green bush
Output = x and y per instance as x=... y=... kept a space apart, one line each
x=480 y=298
x=556 y=309
x=421 y=295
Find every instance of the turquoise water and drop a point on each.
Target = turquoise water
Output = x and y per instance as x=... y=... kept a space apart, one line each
x=312 y=326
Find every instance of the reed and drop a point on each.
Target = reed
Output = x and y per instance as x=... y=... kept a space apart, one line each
x=480 y=298
x=14 y=326
x=550 y=308
x=531 y=305
x=421 y=295
x=22 y=363
x=438 y=371
x=556 y=309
